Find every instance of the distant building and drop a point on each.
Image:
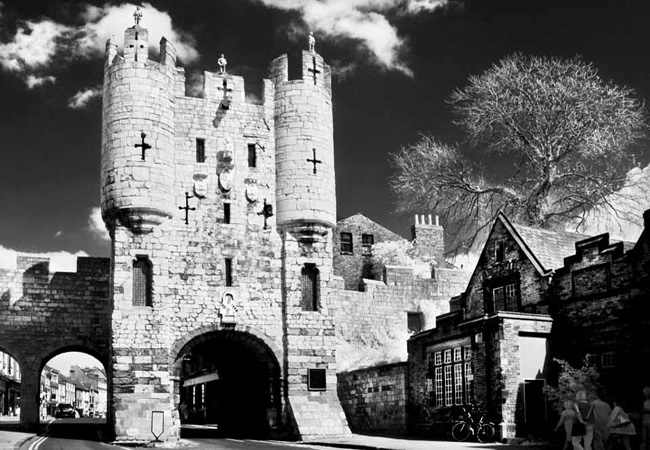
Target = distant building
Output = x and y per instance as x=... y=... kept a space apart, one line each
x=9 y=385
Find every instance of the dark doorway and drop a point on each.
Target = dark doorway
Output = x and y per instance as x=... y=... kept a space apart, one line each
x=229 y=387
x=535 y=407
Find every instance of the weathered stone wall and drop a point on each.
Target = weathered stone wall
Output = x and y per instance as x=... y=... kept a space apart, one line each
x=43 y=314
x=374 y=399
x=371 y=326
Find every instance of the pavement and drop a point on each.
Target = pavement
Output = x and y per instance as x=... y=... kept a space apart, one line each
x=11 y=437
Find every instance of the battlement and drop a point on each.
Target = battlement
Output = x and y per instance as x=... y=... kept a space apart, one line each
x=306 y=67
x=46 y=266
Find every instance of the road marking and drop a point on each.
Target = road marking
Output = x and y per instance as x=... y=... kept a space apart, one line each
x=37 y=443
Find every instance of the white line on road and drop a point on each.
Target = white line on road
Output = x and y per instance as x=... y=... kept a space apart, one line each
x=37 y=443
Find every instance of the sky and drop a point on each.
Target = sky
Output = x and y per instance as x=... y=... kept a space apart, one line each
x=395 y=62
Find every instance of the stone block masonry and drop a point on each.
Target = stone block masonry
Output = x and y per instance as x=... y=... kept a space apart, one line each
x=374 y=399
x=44 y=313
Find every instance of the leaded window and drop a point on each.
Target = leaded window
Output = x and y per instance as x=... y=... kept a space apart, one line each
x=346 y=242
x=310 y=287
x=141 y=281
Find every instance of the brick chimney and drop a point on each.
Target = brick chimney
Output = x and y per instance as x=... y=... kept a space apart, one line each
x=428 y=237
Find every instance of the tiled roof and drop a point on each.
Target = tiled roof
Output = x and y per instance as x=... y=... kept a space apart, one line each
x=549 y=247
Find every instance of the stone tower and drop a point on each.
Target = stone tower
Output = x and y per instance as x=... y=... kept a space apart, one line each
x=220 y=213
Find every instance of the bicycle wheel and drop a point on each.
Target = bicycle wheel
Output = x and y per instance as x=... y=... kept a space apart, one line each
x=461 y=431
x=485 y=433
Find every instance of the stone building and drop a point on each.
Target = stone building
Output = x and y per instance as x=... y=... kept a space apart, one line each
x=220 y=213
x=535 y=295
x=376 y=312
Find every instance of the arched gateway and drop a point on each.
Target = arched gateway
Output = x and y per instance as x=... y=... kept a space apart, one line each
x=230 y=382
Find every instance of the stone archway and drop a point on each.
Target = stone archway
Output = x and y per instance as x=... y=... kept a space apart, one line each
x=228 y=383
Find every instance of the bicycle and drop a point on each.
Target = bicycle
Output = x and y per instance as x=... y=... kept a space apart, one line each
x=470 y=425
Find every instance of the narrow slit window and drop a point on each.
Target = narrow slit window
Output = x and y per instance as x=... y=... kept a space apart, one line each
x=252 y=155
x=226 y=213
x=228 y=270
x=200 y=150
x=367 y=241
x=310 y=288
x=141 y=281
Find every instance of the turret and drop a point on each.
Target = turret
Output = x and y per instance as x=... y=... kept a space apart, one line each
x=305 y=183
x=137 y=134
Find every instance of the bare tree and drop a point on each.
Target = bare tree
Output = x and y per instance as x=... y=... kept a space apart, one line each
x=547 y=141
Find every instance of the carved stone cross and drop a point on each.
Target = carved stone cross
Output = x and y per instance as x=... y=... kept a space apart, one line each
x=314 y=70
x=267 y=211
x=187 y=206
x=144 y=145
x=314 y=161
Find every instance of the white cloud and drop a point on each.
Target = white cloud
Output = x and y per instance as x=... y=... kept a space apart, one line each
x=38 y=45
x=96 y=224
x=367 y=21
x=59 y=261
x=83 y=97
x=33 y=81
x=33 y=46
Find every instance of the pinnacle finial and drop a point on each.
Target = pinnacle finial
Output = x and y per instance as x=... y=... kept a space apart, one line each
x=137 y=15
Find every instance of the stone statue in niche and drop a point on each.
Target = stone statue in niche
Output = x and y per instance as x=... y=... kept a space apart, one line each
x=226 y=180
x=227 y=309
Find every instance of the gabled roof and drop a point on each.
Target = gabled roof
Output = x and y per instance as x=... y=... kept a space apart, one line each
x=546 y=249
x=359 y=218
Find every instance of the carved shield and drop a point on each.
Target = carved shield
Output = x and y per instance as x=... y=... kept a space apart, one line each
x=226 y=180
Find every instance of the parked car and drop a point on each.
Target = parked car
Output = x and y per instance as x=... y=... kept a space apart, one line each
x=65 y=410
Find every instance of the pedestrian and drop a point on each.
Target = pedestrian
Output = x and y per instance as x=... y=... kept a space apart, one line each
x=585 y=415
x=621 y=427
x=567 y=418
x=602 y=411
x=645 y=420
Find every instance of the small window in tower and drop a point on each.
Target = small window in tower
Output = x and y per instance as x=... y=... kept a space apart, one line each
x=415 y=322
x=367 y=241
x=200 y=150
x=228 y=270
x=226 y=213
x=252 y=155
x=346 y=242
x=316 y=380
x=141 y=281
x=310 y=287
